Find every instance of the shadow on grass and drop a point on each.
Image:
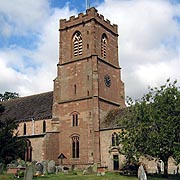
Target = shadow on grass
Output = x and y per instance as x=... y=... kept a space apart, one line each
x=163 y=177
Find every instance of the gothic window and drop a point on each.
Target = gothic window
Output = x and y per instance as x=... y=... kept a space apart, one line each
x=115 y=139
x=103 y=45
x=75 y=119
x=24 y=129
x=44 y=126
x=75 y=147
x=77 y=44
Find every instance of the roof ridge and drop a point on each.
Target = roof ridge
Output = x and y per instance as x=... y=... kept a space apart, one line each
x=20 y=98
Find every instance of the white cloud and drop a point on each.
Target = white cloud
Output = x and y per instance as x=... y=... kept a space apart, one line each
x=29 y=71
x=149 y=43
x=23 y=16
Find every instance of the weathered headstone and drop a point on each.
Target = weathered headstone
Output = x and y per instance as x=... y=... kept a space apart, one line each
x=88 y=171
x=1 y=168
x=58 y=169
x=12 y=164
x=85 y=172
x=141 y=173
x=45 y=165
x=33 y=164
x=94 y=168
x=29 y=173
x=65 y=170
x=39 y=169
x=51 y=167
x=21 y=163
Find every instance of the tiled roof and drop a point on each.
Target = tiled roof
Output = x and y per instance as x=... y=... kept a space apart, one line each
x=112 y=119
x=37 y=106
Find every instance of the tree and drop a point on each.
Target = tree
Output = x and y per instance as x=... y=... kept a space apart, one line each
x=152 y=125
x=8 y=95
x=2 y=108
x=11 y=146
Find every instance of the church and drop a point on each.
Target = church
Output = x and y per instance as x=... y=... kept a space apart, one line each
x=70 y=119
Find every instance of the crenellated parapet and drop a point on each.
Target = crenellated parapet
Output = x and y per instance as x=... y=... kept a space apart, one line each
x=91 y=14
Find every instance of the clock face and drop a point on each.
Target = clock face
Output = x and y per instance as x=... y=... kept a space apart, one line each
x=107 y=80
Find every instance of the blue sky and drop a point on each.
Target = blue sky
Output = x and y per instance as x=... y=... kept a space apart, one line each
x=149 y=41
x=29 y=40
x=80 y=5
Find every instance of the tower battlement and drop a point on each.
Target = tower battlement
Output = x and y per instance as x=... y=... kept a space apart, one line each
x=91 y=13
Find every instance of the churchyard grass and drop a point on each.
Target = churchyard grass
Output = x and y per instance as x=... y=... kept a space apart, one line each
x=108 y=176
x=79 y=176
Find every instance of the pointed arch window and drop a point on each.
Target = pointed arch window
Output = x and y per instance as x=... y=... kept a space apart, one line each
x=24 y=129
x=75 y=147
x=77 y=44
x=115 y=139
x=103 y=46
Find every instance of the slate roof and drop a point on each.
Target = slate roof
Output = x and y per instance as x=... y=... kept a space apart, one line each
x=37 y=106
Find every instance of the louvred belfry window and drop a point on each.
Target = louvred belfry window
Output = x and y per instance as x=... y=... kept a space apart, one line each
x=77 y=44
x=103 y=45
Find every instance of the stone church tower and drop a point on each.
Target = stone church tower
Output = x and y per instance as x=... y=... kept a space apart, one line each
x=71 y=119
x=87 y=86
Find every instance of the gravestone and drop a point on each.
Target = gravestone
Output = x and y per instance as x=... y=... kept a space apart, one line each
x=29 y=173
x=58 y=169
x=94 y=167
x=1 y=168
x=33 y=164
x=65 y=170
x=21 y=163
x=39 y=169
x=85 y=172
x=12 y=164
x=51 y=167
x=45 y=165
x=141 y=173
x=88 y=171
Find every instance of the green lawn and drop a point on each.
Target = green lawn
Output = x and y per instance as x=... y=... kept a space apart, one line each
x=79 y=176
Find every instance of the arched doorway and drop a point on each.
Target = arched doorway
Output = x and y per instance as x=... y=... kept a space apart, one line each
x=115 y=162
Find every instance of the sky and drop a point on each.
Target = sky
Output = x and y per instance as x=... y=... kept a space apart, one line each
x=149 y=42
